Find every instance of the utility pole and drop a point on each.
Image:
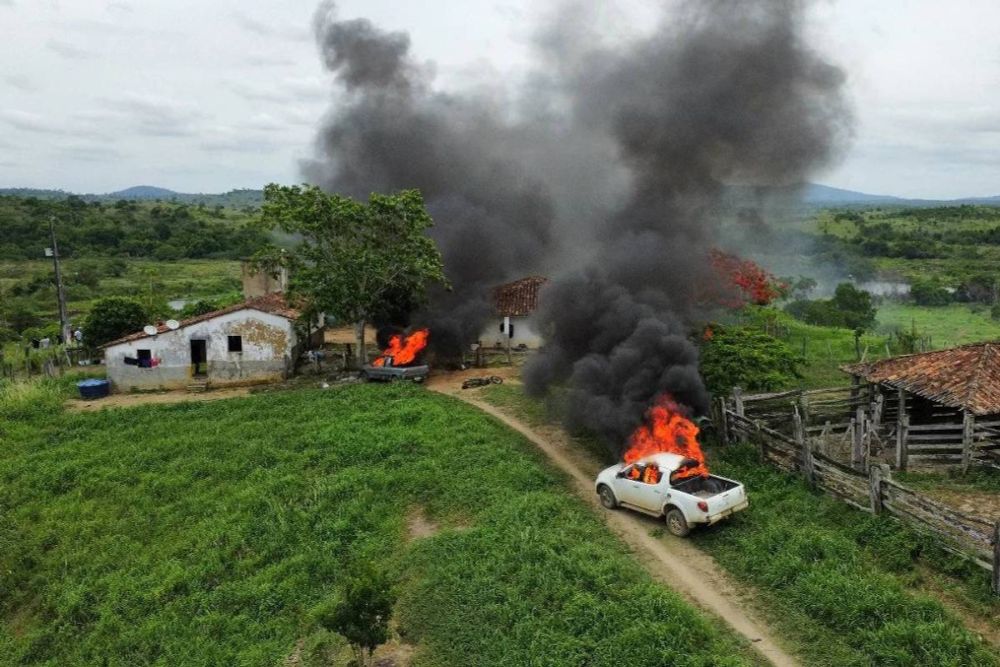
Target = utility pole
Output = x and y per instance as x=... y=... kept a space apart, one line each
x=61 y=294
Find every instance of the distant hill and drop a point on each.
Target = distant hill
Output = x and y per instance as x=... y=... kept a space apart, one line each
x=143 y=192
x=824 y=195
x=231 y=199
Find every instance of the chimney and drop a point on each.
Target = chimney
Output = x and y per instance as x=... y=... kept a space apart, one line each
x=258 y=283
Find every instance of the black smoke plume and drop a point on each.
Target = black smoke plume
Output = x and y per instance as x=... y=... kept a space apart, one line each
x=614 y=176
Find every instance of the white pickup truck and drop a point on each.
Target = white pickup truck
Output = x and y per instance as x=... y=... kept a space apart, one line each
x=650 y=485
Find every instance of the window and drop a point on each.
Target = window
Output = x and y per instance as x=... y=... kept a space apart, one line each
x=235 y=343
x=144 y=355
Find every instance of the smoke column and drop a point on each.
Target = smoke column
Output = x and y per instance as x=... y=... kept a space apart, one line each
x=612 y=178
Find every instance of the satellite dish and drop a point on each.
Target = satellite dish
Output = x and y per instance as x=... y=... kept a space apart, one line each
x=173 y=325
x=149 y=330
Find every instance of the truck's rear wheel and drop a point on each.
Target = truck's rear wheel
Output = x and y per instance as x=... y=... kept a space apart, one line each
x=676 y=523
x=608 y=497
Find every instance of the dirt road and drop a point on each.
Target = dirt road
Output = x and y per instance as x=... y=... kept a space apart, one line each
x=673 y=561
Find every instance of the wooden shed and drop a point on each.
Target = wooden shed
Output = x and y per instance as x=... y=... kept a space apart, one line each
x=945 y=404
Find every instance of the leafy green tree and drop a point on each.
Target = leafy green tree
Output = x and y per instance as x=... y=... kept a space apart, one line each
x=353 y=258
x=929 y=292
x=855 y=305
x=360 y=614
x=747 y=358
x=113 y=318
x=18 y=315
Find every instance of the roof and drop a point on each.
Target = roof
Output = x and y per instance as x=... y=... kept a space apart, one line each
x=966 y=377
x=519 y=297
x=274 y=303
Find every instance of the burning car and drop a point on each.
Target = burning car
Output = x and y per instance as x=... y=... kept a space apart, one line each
x=664 y=474
x=397 y=360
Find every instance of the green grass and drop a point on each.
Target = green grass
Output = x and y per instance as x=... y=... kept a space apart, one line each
x=148 y=281
x=948 y=326
x=205 y=533
x=841 y=585
x=842 y=581
x=976 y=479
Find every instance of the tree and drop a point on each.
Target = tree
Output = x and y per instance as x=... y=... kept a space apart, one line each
x=111 y=318
x=746 y=358
x=353 y=258
x=360 y=614
x=929 y=292
x=855 y=305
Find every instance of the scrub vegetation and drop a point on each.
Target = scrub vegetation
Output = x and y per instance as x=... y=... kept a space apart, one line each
x=218 y=533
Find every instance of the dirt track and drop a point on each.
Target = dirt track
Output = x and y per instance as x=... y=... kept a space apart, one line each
x=673 y=561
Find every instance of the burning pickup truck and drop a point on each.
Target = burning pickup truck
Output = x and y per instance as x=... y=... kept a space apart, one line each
x=664 y=474
x=656 y=485
x=397 y=360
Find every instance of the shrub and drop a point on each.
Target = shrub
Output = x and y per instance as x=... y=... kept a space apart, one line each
x=361 y=614
x=112 y=318
x=746 y=358
x=929 y=292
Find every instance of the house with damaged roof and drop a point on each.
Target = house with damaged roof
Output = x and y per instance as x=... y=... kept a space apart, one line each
x=513 y=305
x=255 y=341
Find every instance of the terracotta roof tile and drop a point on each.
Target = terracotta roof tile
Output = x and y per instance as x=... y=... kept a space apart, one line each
x=966 y=377
x=274 y=303
x=519 y=297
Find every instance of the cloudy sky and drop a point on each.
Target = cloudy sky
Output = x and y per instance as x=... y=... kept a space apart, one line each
x=206 y=96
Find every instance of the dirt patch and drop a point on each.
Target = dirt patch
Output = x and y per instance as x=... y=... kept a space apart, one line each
x=672 y=561
x=161 y=398
x=974 y=503
x=450 y=382
x=418 y=526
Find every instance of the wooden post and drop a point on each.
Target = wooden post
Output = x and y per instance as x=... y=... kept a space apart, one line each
x=877 y=407
x=761 y=444
x=804 y=407
x=902 y=453
x=968 y=432
x=901 y=418
x=723 y=421
x=996 y=558
x=857 y=446
x=806 y=449
x=876 y=473
x=740 y=411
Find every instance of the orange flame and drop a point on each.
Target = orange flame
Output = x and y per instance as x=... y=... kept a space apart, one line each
x=667 y=430
x=404 y=349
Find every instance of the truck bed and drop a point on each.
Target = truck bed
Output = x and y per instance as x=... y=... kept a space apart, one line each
x=705 y=487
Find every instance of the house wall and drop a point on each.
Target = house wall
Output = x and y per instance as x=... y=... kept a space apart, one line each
x=269 y=346
x=524 y=333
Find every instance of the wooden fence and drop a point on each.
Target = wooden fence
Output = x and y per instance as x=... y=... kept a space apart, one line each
x=872 y=491
x=867 y=423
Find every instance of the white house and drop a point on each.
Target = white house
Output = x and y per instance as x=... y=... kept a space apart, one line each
x=247 y=343
x=517 y=301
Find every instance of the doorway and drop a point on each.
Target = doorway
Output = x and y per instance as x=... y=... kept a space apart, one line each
x=199 y=357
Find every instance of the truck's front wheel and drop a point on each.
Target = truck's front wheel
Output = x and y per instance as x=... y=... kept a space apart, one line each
x=677 y=524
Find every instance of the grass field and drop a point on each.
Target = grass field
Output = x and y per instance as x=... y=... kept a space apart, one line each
x=955 y=324
x=843 y=586
x=206 y=533
x=147 y=281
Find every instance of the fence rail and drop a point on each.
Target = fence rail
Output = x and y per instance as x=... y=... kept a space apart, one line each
x=873 y=491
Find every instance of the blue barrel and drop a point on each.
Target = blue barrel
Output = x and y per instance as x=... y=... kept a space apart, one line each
x=91 y=389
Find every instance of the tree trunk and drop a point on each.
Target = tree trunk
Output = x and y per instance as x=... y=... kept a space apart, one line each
x=359 y=336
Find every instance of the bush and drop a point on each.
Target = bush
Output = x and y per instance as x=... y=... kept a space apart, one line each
x=360 y=615
x=113 y=318
x=929 y=292
x=850 y=308
x=746 y=358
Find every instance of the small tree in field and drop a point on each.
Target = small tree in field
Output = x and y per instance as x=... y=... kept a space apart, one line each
x=113 y=318
x=360 y=615
x=353 y=258
x=747 y=358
